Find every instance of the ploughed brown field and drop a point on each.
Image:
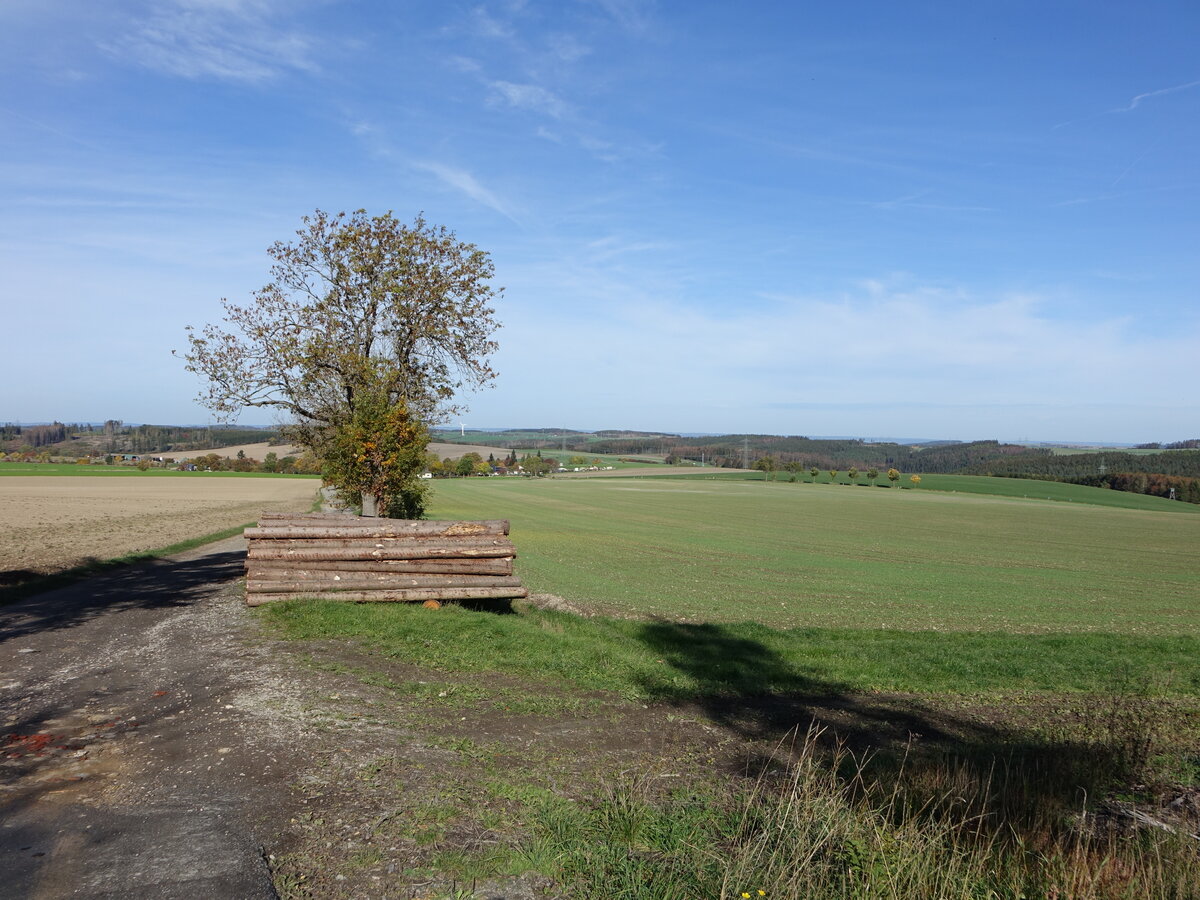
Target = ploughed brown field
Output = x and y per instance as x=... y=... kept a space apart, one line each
x=260 y=451
x=50 y=524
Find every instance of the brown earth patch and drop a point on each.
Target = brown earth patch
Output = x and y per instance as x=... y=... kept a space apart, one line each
x=54 y=523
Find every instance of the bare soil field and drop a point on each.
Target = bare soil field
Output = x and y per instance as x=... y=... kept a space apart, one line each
x=259 y=451
x=254 y=451
x=51 y=524
x=454 y=451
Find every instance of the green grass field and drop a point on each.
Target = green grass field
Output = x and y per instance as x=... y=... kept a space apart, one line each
x=1042 y=657
x=51 y=469
x=791 y=555
x=1022 y=488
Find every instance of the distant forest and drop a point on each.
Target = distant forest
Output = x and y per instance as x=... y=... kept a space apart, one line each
x=116 y=437
x=1145 y=473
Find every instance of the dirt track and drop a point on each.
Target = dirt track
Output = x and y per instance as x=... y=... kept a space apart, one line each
x=51 y=523
x=138 y=760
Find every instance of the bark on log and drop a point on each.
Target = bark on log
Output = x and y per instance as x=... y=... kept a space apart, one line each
x=500 y=566
x=348 y=521
x=380 y=528
x=378 y=560
x=363 y=581
x=258 y=551
x=414 y=595
x=494 y=540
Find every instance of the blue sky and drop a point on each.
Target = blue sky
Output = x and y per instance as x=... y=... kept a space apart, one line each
x=959 y=220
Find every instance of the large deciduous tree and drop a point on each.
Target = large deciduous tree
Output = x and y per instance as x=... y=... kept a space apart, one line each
x=364 y=336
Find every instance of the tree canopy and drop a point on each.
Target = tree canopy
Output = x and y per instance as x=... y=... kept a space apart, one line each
x=366 y=333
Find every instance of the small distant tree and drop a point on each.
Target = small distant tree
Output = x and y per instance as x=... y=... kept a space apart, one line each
x=853 y=473
x=872 y=474
x=893 y=475
x=270 y=462
x=467 y=462
x=766 y=465
x=813 y=473
x=833 y=473
x=915 y=479
x=245 y=464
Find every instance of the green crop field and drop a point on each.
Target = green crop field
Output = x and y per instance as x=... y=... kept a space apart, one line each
x=790 y=555
x=1023 y=488
x=1020 y=661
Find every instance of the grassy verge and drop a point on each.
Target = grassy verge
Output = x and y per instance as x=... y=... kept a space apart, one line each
x=827 y=828
x=899 y=795
x=672 y=661
x=43 y=583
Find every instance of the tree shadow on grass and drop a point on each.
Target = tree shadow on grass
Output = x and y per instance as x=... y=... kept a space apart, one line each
x=150 y=584
x=1025 y=772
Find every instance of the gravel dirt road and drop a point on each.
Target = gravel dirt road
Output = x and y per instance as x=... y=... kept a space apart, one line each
x=142 y=753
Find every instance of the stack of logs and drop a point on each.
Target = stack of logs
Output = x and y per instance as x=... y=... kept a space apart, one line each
x=341 y=557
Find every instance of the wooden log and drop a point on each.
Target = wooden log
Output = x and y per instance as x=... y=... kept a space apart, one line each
x=495 y=540
x=298 y=516
x=372 y=552
x=484 y=566
x=406 y=596
x=382 y=582
x=379 y=528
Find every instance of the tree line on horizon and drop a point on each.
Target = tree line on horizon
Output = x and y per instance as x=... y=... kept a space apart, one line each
x=114 y=436
x=1147 y=473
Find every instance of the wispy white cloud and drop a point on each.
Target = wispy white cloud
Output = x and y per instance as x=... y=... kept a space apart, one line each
x=227 y=40
x=1166 y=188
x=49 y=128
x=915 y=201
x=632 y=15
x=1136 y=101
x=488 y=26
x=531 y=97
x=567 y=48
x=464 y=64
x=466 y=183
x=978 y=362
